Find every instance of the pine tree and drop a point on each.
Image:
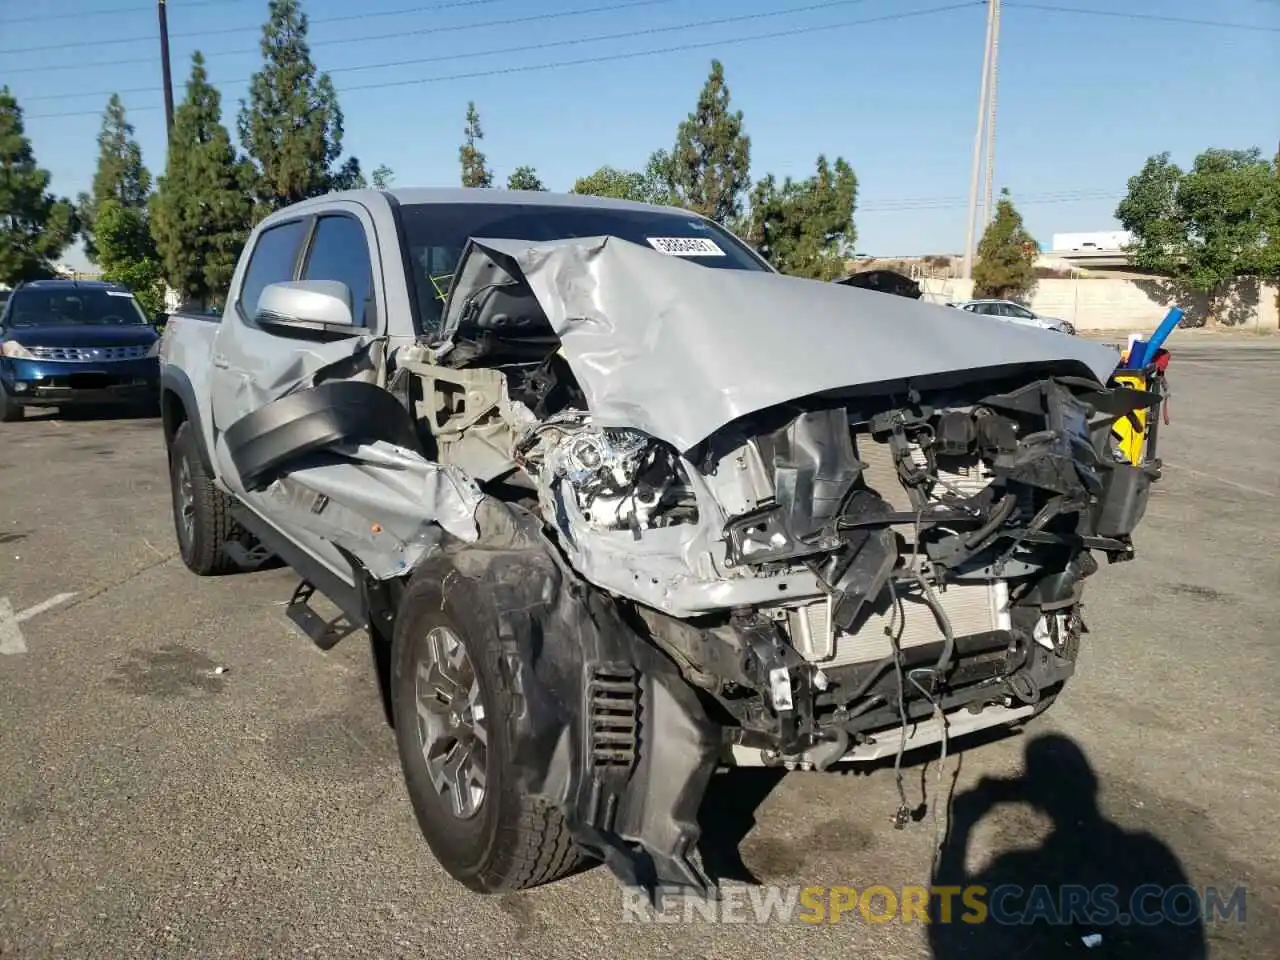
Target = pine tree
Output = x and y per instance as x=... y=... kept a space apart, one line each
x=120 y=176
x=525 y=178
x=35 y=226
x=1006 y=256
x=292 y=124
x=475 y=172
x=709 y=169
x=382 y=176
x=114 y=218
x=202 y=210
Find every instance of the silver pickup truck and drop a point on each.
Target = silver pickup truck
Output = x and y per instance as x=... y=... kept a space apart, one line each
x=618 y=505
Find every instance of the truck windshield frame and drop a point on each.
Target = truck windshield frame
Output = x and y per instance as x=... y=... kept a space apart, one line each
x=435 y=235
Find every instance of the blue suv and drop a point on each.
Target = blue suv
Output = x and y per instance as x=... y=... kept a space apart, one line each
x=67 y=342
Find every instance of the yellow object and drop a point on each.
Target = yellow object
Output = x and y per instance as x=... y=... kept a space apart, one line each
x=1130 y=431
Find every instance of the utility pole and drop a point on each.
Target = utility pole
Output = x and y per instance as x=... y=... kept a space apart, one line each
x=977 y=140
x=992 y=87
x=164 y=69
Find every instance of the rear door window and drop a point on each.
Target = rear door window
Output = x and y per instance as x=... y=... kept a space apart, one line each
x=273 y=261
x=339 y=251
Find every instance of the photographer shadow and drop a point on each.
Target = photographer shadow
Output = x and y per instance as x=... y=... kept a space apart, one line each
x=1078 y=885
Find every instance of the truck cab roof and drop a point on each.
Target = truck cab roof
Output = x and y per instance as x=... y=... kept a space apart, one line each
x=408 y=196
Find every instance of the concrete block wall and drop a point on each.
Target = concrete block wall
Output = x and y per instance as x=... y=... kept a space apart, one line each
x=1122 y=304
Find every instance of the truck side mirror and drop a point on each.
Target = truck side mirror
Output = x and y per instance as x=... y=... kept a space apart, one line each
x=317 y=305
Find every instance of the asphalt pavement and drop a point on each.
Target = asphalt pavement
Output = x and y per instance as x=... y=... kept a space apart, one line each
x=155 y=805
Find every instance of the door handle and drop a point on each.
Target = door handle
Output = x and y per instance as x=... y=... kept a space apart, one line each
x=221 y=362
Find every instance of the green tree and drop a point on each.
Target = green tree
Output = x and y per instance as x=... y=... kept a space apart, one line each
x=1208 y=225
x=115 y=219
x=646 y=186
x=127 y=252
x=35 y=225
x=292 y=125
x=805 y=228
x=202 y=208
x=612 y=182
x=381 y=179
x=656 y=179
x=475 y=171
x=525 y=178
x=709 y=169
x=121 y=175
x=1006 y=267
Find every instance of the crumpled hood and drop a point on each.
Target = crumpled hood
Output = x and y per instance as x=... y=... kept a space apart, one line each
x=678 y=350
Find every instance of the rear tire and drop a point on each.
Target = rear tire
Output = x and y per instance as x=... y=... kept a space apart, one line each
x=504 y=839
x=10 y=412
x=201 y=512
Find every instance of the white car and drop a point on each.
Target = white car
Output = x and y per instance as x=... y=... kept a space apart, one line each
x=1015 y=313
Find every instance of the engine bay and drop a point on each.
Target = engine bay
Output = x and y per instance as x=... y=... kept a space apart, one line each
x=799 y=562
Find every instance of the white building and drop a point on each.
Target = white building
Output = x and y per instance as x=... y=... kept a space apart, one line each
x=1098 y=240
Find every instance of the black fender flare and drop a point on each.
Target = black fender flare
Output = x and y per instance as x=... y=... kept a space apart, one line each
x=564 y=649
x=175 y=387
x=309 y=420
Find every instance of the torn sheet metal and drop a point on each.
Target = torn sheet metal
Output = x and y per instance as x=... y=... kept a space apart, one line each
x=633 y=322
x=381 y=503
x=288 y=371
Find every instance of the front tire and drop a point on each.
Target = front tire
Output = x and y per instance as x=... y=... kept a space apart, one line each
x=453 y=707
x=201 y=512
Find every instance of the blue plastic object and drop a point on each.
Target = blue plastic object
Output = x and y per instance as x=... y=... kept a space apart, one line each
x=1136 y=354
x=1167 y=326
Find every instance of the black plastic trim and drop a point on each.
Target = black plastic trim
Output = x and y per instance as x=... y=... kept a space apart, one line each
x=175 y=381
x=406 y=262
x=310 y=420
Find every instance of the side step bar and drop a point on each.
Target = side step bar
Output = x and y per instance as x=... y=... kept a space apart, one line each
x=315 y=577
x=325 y=634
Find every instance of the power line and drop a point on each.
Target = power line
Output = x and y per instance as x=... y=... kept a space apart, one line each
x=913 y=204
x=1150 y=17
x=523 y=48
x=608 y=58
x=453 y=4
x=221 y=31
x=115 y=11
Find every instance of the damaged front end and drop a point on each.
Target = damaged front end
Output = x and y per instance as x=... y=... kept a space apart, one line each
x=707 y=516
x=789 y=551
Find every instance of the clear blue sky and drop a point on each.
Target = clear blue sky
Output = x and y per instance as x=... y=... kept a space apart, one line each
x=1083 y=99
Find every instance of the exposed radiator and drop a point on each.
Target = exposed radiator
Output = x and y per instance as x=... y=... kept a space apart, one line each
x=971 y=608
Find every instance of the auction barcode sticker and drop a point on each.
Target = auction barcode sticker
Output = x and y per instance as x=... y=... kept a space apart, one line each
x=686 y=246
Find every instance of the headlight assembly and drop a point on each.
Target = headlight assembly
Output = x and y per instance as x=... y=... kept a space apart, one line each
x=15 y=350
